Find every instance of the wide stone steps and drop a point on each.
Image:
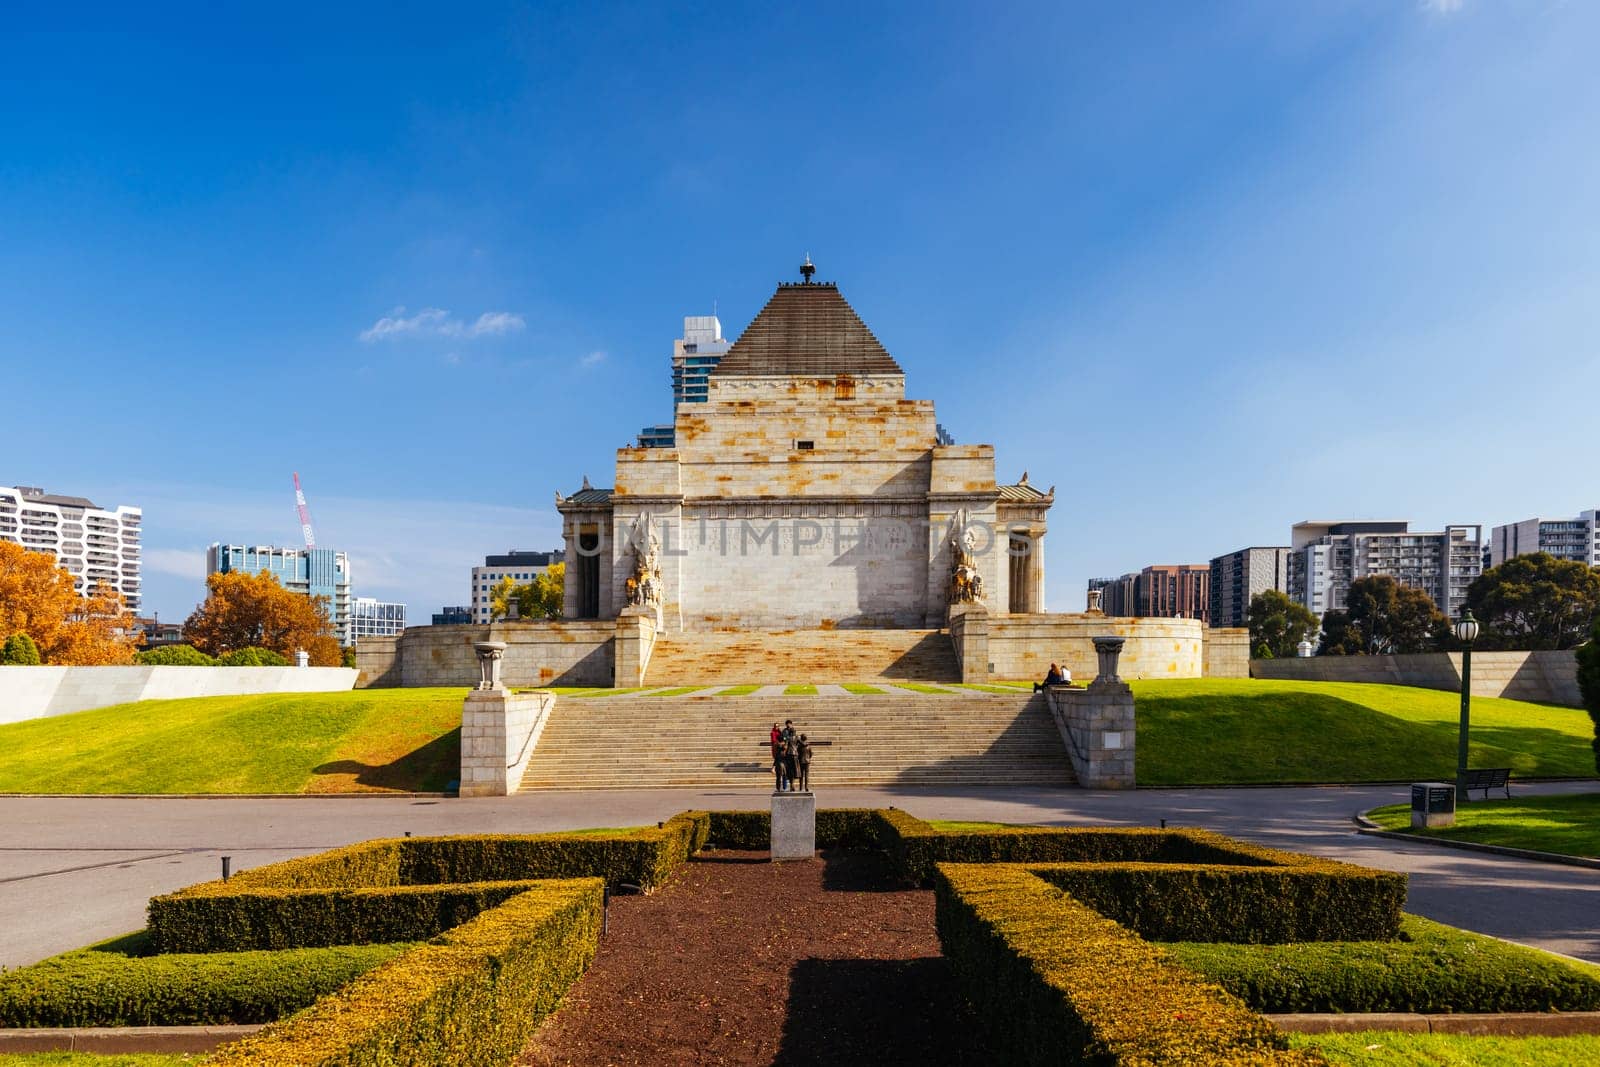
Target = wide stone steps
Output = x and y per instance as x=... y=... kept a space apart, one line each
x=656 y=742
x=773 y=656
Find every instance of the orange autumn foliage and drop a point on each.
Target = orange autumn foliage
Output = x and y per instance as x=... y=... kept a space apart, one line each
x=37 y=598
x=253 y=610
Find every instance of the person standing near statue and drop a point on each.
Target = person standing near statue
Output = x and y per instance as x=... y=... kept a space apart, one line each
x=777 y=758
x=803 y=758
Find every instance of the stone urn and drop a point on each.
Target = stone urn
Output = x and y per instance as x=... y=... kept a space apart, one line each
x=1109 y=649
x=490 y=653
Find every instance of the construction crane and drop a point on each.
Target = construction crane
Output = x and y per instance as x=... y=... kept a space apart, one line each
x=305 y=514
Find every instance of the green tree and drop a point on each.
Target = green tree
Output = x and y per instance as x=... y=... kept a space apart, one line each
x=1536 y=602
x=1380 y=617
x=174 y=656
x=1278 y=624
x=539 y=599
x=19 y=651
x=1589 y=683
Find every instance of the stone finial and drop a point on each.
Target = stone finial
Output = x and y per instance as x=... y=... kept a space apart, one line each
x=490 y=654
x=1024 y=479
x=1109 y=650
x=560 y=499
x=1094 y=601
x=807 y=269
x=586 y=484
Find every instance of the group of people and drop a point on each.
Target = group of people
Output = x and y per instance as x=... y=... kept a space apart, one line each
x=1054 y=676
x=791 y=759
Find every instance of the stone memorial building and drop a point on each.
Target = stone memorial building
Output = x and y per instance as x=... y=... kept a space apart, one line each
x=808 y=491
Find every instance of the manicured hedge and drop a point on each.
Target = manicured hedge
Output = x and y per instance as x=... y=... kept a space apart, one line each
x=836 y=828
x=1436 y=968
x=1053 y=981
x=308 y=918
x=1316 y=901
x=471 y=998
x=105 y=987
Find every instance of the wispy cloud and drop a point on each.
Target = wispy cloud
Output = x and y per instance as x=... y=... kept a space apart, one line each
x=436 y=322
x=593 y=359
x=1441 y=7
x=180 y=562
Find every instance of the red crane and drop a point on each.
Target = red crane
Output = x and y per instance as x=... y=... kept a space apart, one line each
x=305 y=515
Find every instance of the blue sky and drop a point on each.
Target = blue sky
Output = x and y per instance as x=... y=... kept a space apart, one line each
x=1208 y=269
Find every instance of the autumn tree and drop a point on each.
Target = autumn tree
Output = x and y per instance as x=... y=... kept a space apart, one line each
x=254 y=611
x=1535 y=602
x=1278 y=625
x=38 y=598
x=538 y=599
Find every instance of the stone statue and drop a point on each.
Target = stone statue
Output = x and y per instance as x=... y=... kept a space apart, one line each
x=966 y=584
x=644 y=585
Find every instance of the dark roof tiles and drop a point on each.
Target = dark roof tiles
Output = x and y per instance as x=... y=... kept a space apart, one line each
x=806 y=331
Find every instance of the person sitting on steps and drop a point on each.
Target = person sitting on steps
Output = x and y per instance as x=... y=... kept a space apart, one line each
x=1053 y=677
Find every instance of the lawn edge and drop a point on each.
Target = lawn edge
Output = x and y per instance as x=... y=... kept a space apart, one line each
x=1366 y=826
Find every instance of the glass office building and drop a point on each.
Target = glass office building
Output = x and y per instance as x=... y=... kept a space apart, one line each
x=317 y=572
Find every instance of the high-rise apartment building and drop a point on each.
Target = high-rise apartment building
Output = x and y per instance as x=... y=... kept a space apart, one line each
x=94 y=544
x=1117 y=595
x=1175 y=591
x=370 y=617
x=1327 y=556
x=315 y=572
x=1575 y=539
x=1239 y=576
x=694 y=356
x=520 y=567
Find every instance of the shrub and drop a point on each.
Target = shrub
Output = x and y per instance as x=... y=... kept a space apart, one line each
x=406 y=888
x=19 y=651
x=174 y=656
x=473 y=997
x=102 y=986
x=1589 y=683
x=1436 y=968
x=836 y=828
x=1053 y=981
x=252 y=657
x=1319 y=900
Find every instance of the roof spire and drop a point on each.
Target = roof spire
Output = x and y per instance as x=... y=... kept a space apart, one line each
x=807 y=270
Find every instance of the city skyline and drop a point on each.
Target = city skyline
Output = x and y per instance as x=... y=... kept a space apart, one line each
x=1210 y=274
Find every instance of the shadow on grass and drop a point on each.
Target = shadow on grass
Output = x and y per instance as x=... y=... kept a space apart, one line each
x=877 y=1011
x=428 y=769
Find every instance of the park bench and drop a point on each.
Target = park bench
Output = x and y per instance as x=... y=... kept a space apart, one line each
x=1487 y=778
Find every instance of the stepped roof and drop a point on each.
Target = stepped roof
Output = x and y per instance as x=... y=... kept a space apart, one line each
x=807 y=330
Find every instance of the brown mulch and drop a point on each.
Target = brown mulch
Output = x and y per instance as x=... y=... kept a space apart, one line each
x=744 y=961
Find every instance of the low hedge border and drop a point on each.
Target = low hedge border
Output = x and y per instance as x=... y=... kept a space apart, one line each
x=405 y=889
x=836 y=828
x=310 y=918
x=472 y=997
x=1318 y=901
x=1054 y=981
x=1434 y=969
x=106 y=987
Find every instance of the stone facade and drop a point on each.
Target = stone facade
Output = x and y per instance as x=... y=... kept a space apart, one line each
x=1024 y=646
x=537 y=653
x=499 y=730
x=807 y=492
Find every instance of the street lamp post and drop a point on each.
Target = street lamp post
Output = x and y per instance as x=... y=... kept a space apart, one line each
x=1466 y=633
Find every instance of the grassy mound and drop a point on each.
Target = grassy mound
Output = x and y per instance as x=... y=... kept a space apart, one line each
x=363 y=741
x=1227 y=731
x=1565 y=824
x=1382 y=1048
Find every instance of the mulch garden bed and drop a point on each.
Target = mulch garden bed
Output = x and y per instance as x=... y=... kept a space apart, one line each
x=744 y=961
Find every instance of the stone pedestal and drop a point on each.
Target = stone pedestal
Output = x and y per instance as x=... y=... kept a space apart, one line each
x=794 y=826
x=499 y=730
x=969 y=633
x=636 y=639
x=1097 y=724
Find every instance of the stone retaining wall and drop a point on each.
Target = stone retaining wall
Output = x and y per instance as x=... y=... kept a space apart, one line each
x=39 y=692
x=499 y=730
x=1024 y=646
x=1543 y=677
x=576 y=652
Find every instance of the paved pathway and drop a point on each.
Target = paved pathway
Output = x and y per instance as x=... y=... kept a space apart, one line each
x=75 y=870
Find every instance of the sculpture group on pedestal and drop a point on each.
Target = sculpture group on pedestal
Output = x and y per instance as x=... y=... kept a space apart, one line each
x=966 y=584
x=643 y=587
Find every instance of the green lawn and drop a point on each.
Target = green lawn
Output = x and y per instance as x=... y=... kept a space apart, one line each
x=1565 y=824
x=362 y=741
x=862 y=689
x=1241 y=730
x=919 y=687
x=736 y=691
x=1388 y=1048
x=800 y=690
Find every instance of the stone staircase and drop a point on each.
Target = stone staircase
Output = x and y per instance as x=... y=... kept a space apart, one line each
x=772 y=656
x=902 y=739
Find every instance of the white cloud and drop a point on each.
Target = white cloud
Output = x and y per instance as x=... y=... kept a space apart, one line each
x=436 y=322
x=1441 y=7
x=593 y=359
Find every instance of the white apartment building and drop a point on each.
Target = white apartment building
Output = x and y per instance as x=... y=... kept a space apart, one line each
x=94 y=544
x=370 y=617
x=1575 y=539
x=519 y=566
x=1326 y=557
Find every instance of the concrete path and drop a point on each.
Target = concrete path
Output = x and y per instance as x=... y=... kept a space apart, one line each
x=77 y=870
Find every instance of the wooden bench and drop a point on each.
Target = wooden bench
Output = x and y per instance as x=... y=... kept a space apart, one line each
x=1487 y=778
